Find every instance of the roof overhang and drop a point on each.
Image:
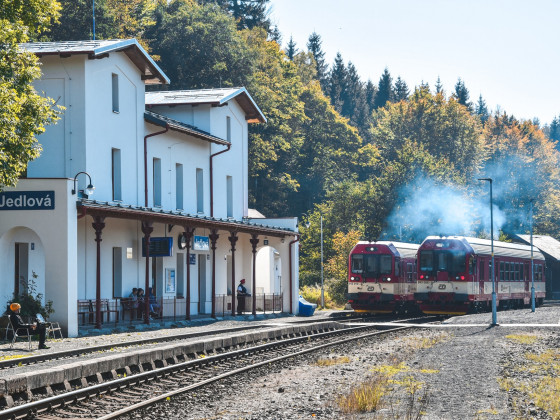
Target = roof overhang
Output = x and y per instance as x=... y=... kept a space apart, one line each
x=151 y=72
x=178 y=126
x=144 y=214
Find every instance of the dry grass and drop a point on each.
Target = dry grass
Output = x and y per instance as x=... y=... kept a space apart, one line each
x=13 y=357
x=523 y=338
x=418 y=343
x=540 y=383
x=323 y=362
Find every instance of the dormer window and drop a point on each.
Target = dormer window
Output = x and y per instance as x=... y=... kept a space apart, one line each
x=115 y=92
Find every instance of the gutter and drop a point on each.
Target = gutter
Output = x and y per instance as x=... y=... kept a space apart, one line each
x=212 y=179
x=291 y=275
x=146 y=161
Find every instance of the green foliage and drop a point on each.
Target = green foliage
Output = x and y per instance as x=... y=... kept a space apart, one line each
x=312 y=294
x=23 y=112
x=336 y=268
x=32 y=302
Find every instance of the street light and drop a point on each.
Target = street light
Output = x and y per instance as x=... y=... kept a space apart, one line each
x=494 y=316
x=89 y=189
x=532 y=271
x=307 y=224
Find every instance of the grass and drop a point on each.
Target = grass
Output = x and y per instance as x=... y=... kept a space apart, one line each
x=323 y=362
x=13 y=357
x=539 y=384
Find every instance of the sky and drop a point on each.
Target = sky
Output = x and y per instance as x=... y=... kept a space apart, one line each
x=506 y=51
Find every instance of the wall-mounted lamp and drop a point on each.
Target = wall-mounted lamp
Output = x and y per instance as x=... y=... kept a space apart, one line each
x=89 y=189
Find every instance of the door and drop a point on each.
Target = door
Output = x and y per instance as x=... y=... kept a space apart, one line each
x=21 y=266
x=201 y=283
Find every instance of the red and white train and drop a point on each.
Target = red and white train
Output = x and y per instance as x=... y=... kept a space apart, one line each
x=454 y=275
x=382 y=277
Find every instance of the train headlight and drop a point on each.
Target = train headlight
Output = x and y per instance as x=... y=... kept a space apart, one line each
x=388 y=278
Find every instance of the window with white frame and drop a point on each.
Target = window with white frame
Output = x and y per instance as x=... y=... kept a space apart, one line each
x=228 y=129
x=115 y=91
x=179 y=186
x=157 y=182
x=116 y=174
x=199 y=190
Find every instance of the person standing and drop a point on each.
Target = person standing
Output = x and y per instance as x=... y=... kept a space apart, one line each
x=241 y=293
x=17 y=324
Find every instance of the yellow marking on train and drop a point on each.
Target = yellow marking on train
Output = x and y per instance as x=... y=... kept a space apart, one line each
x=444 y=313
x=372 y=311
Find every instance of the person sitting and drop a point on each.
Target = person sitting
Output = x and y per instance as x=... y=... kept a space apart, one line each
x=154 y=306
x=134 y=298
x=18 y=324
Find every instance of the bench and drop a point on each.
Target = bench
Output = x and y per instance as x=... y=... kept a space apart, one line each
x=132 y=306
x=88 y=308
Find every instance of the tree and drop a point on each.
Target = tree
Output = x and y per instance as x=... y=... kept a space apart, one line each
x=337 y=83
x=439 y=86
x=482 y=110
x=314 y=47
x=401 y=90
x=554 y=130
x=23 y=112
x=306 y=68
x=384 y=90
x=461 y=94
x=336 y=267
x=291 y=49
x=248 y=14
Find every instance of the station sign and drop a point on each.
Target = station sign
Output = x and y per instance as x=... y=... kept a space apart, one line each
x=201 y=243
x=27 y=200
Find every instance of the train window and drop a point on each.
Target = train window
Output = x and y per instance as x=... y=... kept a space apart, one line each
x=520 y=271
x=508 y=271
x=481 y=271
x=459 y=262
x=502 y=271
x=426 y=261
x=371 y=265
x=385 y=264
x=409 y=271
x=357 y=264
x=397 y=266
x=441 y=261
x=517 y=277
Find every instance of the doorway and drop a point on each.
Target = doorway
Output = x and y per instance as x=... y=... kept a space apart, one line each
x=21 y=266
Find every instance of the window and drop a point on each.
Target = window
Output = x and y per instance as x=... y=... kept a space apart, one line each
x=357 y=264
x=229 y=186
x=472 y=264
x=117 y=272
x=386 y=264
x=116 y=174
x=157 y=182
x=228 y=129
x=179 y=186
x=502 y=271
x=410 y=271
x=199 y=190
x=481 y=271
x=115 y=91
x=397 y=266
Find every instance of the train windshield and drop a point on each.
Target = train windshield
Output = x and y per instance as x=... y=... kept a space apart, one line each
x=372 y=265
x=450 y=261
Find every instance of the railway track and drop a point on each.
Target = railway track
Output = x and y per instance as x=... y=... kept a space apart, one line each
x=118 y=397
x=74 y=353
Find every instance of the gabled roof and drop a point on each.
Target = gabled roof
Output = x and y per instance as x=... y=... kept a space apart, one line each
x=216 y=97
x=546 y=244
x=163 y=121
x=151 y=73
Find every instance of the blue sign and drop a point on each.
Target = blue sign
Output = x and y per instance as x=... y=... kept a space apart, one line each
x=201 y=243
x=27 y=200
x=193 y=259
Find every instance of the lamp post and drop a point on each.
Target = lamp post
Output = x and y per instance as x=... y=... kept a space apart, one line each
x=532 y=271
x=494 y=316
x=89 y=189
x=322 y=286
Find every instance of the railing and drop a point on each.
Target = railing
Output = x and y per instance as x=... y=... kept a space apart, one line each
x=125 y=310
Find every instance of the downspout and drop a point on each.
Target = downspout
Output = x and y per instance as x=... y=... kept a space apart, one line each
x=146 y=161
x=291 y=275
x=212 y=178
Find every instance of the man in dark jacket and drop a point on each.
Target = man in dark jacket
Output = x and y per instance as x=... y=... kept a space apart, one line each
x=241 y=293
x=18 y=324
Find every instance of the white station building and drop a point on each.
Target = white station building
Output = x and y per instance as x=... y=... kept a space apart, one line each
x=170 y=169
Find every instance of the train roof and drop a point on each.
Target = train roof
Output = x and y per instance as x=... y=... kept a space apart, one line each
x=501 y=249
x=403 y=249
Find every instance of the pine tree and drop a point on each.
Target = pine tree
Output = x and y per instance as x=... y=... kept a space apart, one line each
x=291 y=49
x=337 y=83
x=554 y=129
x=355 y=104
x=247 y=13
x=439 y=86
x=384 y=90
x=314 y=47
x=482 y=110
x=371 y=93
x=461 y=94
x=401 y=90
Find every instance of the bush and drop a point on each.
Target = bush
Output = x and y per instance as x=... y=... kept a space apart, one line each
x=31 y=302
x=312 y=294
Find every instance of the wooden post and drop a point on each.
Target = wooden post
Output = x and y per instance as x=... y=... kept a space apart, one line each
x=147 y=230
x=98 y=224
x=213 y=239
x=188 y=234
x=233 y=240
x=254 y=242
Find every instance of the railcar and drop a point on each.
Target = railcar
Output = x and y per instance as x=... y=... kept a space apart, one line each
x=382 y=277
x=454 y=275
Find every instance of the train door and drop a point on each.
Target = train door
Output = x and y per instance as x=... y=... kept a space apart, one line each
x=481 y=274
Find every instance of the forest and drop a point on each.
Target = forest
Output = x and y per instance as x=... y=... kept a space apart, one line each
x=372 y=160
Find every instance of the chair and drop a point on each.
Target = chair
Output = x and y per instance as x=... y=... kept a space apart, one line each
x=23 y=335
x=52 y=328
